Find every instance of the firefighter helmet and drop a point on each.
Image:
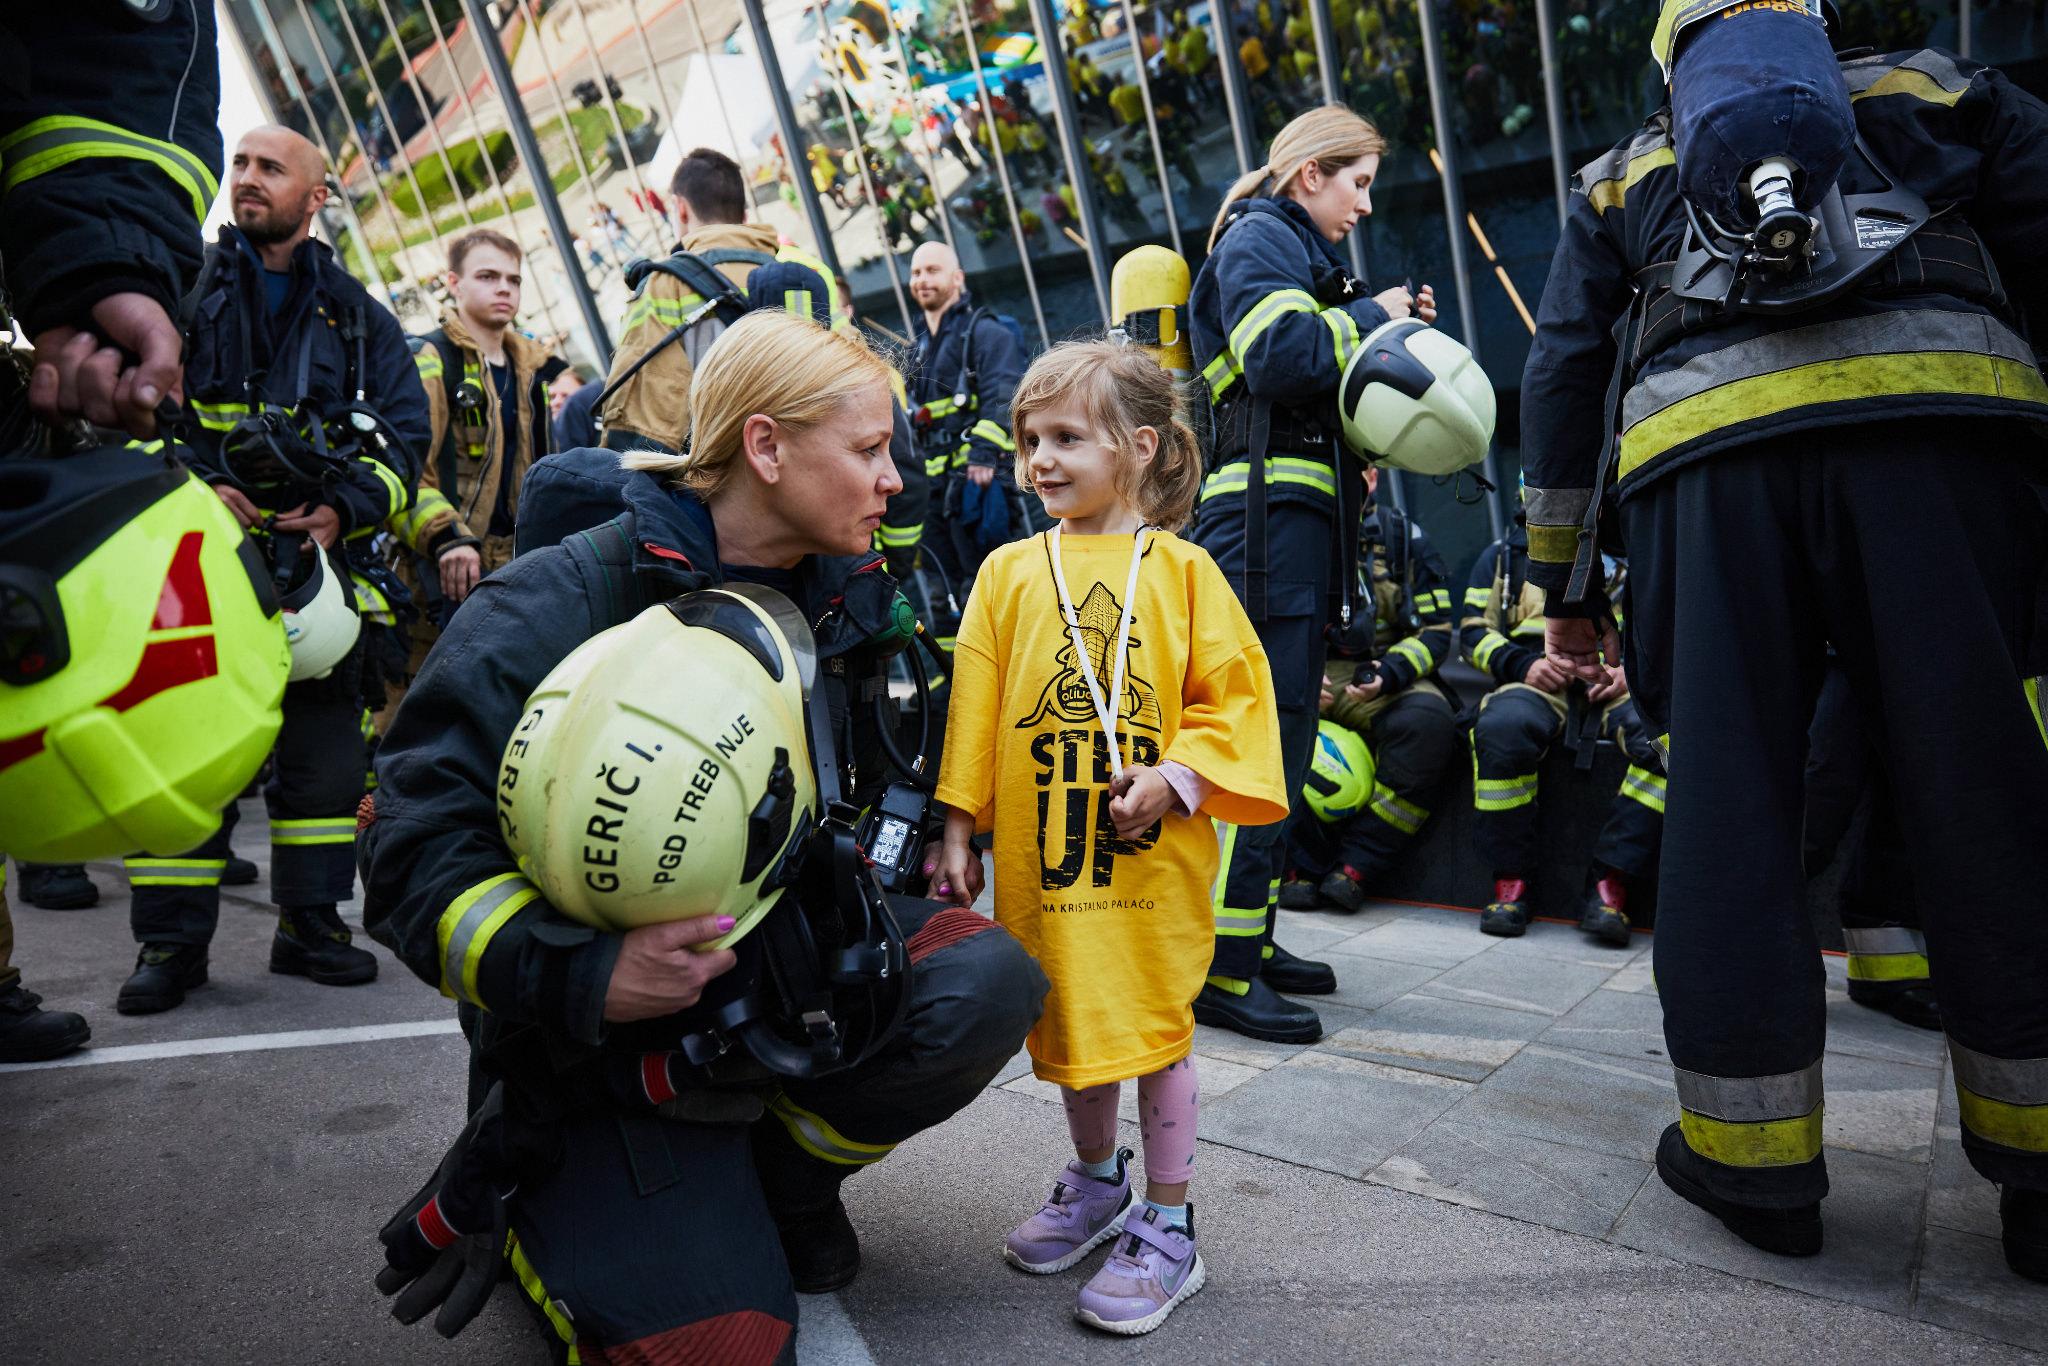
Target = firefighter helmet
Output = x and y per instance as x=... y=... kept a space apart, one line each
x=1340 y=773
x=1414 y=398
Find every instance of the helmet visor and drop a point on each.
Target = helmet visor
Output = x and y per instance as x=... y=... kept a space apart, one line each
x=795 y=651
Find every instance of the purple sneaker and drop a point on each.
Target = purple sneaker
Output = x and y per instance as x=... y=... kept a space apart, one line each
x=1149 y=1272
x=1081 y=1214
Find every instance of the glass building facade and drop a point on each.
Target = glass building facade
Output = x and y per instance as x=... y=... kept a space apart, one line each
x=1041 y=138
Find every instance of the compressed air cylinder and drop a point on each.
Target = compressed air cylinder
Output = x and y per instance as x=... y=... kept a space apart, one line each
x=1750 y=82
x=1146 y=288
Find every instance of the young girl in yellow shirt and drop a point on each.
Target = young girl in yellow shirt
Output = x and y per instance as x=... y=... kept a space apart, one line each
x=1109 y=696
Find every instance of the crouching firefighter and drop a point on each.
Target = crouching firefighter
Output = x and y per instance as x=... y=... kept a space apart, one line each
x=1776 y=351
x=695 y=1007
x=1278 y=328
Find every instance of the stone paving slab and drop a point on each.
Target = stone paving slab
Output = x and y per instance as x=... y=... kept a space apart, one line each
x=1450 y=1038
x=1885 y=1108
x=1869 y=1244
x=1544 y=987
x=1572 y=1189
x=1441 y=939
x=1333 y=1113
x=1964 y=1283
x=1369 y=983
x=1623 y=1024
x=1579 y=1100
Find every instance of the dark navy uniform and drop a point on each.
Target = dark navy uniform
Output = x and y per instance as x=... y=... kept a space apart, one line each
x=1266 y=338
x=327 y=339
x=1501 y=634
x=960 y=393
x=1409 y=725
x=654 y=1230
x=1847 y=474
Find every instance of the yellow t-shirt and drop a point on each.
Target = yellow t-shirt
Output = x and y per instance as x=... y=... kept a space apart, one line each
x=1124 y=929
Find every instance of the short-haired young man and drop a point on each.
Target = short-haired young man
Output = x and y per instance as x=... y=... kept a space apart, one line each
x=491 y=420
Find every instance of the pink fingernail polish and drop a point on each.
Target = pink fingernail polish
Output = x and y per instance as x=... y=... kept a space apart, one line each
x=726 y=922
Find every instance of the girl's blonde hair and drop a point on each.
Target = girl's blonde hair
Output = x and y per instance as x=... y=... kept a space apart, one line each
x=772 y=363
x=1331 y=136
x=1121 y=389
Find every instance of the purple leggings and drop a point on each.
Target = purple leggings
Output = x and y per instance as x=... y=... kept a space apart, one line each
x=1167 y=1104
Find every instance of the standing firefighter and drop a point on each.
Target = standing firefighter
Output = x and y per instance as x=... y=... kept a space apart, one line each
x=1818 y=431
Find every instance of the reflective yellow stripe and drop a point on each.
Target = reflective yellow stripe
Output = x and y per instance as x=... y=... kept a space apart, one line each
x=1231 y=922
x=2003 y=1100
x=797 y=301
x=935 y=465
x=1903 y=80
x=1395 y=810
x=1415 y=652
x=1235 y=476
x=667 y=312
x=1219 y=374
x=529 y=1281
x=219 y=417
x=993 y=433
x=412 y=523
x=1344 y=328
x=896 y=537
x=1264 y=314
x=1611 y=194
x=47 y=144
x=428 y=362
x=1644 y=786
x=1489 y=646
x=1478 y=597
x=393 y=485
x=1835 y=380
x=1763 y=1143
x=2012 y=1126
x=174 y=872
x=1888 y=967
x=816 y=1136
x=1553 y=544
x=465 y=929
x=2033 y=691
x=332 y=830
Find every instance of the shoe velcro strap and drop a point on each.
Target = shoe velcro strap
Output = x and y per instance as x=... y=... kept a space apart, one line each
x=1171 y=1241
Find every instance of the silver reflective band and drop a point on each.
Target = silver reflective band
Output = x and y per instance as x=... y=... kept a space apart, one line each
x=1557 y=507
x=1750 y=1100
x=1890 y=939
x=473 y=920
x=2016 y=1081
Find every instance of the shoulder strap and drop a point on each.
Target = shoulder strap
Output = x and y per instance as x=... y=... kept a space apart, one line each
x=604 y=556
x=696 y=273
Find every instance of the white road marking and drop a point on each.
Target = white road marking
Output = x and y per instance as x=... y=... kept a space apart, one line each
x=241 y=1043
x=825 y=1335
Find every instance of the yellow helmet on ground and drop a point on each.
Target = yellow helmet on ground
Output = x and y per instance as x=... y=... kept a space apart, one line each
x=1414 y=398
x=660 y=772
x=142 y=660
x=1340 y=773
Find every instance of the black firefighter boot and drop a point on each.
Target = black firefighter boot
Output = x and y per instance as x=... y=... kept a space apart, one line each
x=1605 y=915
x=1793 y=1232
x=1910 y=1003
x=240 y=872
x=818 y=1239
x=1300 y=894
x=1507 y=915
x=163 y=974
x=28 y=1033
x=312 y=942
x=1282 y=971
x=57 y=886
x=1258 y=1012
x=2025 y=1214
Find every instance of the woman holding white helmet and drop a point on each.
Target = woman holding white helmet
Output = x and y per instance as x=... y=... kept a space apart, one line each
x=651 y=1205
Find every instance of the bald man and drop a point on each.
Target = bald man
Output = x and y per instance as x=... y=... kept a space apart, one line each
x=284 y=344
x=967 y=365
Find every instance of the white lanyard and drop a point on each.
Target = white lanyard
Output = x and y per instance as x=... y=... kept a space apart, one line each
x=1105 y=711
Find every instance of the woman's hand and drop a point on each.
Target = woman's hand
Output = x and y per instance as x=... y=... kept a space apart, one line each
x=1425 y=304
x=661 y=970
x=1138 y=797
x=954 y=870
x=1398 y=302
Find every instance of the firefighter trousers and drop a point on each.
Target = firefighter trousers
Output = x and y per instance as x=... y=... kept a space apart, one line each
x=654 y=1239
x=1300 y=555
x=1515 y=729
x=1886 y=951
x=316 y=780
x=1745 y=567
x=1413 y=736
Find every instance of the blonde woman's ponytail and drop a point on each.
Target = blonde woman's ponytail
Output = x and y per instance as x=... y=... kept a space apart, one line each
x=1332 y=136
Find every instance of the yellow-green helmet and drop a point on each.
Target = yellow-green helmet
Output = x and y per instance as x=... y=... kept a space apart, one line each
x=142 y=658
x=661 y=771
x=1340 y=773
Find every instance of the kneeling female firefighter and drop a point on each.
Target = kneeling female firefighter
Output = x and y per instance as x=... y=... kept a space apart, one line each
x=668 y=1167
x=1275 y=318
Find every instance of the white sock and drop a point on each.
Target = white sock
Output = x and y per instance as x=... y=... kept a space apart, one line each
x=1105 y=1170
x=1171 y=1216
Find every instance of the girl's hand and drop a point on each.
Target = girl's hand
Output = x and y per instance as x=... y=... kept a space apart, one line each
x=954 y=868
x=1138 y=797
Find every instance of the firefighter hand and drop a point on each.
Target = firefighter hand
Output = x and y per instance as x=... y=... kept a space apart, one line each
x=1139 y=797
x=319 y=521
x=661 y=970
x=1582 y=647
x=1324 y=704
x=1546 y=675
x=460 y=568
x=981 y=476
x=90 y=373
x=1366 y=691
x=1425 y=304
x=1398 y=302
x=239 y=504
x=1615 y=685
